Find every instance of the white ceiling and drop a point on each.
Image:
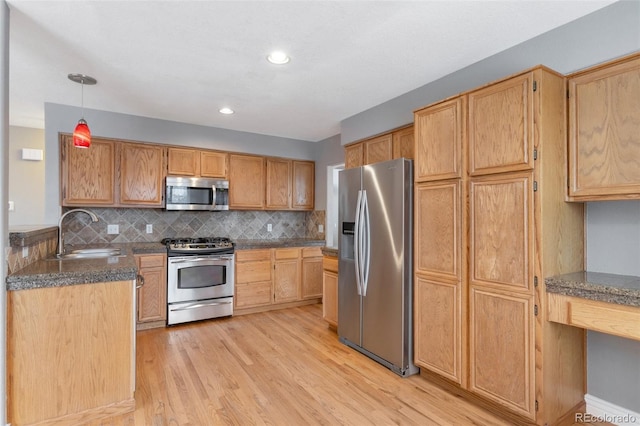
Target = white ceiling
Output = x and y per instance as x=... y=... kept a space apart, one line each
x=183 y=60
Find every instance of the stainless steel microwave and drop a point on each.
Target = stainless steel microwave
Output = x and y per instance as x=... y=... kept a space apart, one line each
x=188 y=193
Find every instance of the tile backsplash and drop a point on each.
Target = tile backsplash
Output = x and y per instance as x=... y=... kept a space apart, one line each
x=233 y=224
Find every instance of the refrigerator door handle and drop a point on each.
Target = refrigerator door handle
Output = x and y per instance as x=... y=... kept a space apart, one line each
x=357 y=236
x=366 y=243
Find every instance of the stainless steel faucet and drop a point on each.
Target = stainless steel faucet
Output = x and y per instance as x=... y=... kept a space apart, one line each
x=94 y=218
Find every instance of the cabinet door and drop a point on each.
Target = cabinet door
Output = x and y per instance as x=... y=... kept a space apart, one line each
x=604 y=132
x=246 y=182
x=303 y=185
x=152 y=295
x=278 y=195
x=403 y=143
x=183 y=162
x=378 y=149
x=88 y=175
x=439 y=134
x=286 y=277
x=311 y=283
x=353 y=155
x=502 y=350
x=501 y=231
x=141 y=174
x=213 y=164
x=330 y=297
x=438 y=230
x=438 y=327
x=501 y=126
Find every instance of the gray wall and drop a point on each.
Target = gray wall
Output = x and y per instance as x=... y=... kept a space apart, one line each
x=613 y=228
x=4 y=189
x=327 y=152
x=63 y=118
x=26 y=186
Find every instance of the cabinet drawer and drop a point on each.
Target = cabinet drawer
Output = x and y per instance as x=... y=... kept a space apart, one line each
x=330 y=263
x=287 y=253
x=252 y=255
x=253 y=271
x=153 y=261
x=311 y=252
x=609 y=318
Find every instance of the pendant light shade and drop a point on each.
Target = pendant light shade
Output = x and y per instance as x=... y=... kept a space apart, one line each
x=82 y=134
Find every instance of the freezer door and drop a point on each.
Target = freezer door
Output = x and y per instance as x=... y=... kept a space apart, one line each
x=349 y=303
x=387 y=302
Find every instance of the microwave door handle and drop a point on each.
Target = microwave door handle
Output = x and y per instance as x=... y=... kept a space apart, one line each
x=213 y=201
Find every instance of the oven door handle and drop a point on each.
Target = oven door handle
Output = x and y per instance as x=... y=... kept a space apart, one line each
x=199 y=305
x=200 y=259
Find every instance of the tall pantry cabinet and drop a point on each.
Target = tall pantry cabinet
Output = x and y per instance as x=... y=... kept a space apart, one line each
x=491 y=224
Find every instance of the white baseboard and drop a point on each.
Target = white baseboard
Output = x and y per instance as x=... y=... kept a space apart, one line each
x=600 y=410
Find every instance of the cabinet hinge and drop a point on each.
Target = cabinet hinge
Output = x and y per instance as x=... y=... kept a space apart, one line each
x=535 y=310
x=535 y=281
x=536 y=404
x=535 y=185
x=535 y=85
x=535 y=154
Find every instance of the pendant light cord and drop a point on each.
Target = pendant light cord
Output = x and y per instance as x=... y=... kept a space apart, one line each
x=82 y=99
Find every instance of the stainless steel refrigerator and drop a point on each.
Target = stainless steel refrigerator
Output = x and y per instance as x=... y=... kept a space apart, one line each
x=375 y=314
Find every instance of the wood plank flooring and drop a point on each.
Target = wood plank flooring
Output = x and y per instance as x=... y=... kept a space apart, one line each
x=278 y=368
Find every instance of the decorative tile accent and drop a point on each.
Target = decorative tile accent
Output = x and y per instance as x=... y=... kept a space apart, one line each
x=246 y=225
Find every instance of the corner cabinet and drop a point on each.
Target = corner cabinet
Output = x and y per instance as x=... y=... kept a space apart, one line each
x=490 y=224
x=604 y=131
x=112 y=173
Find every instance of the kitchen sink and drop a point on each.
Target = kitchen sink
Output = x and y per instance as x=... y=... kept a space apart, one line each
x=89 y=253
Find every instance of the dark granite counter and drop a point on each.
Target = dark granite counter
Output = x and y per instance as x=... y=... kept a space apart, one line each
x=611 y=288
x=330 y=251
x=277 y=243
x=26 y=235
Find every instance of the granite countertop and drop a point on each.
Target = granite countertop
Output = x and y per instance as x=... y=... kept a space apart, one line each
x=611 y=288
x=330 y=251
x=277 y=243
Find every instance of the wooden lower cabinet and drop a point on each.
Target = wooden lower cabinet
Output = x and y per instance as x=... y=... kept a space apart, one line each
x=330 y=290
x=70 y=353
x=275 y=278
x=152 y=291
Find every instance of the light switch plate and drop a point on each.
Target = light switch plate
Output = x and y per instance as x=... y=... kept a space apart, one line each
x=149 y=228
x=269 y=227
x=321 y=228
x=113 y=229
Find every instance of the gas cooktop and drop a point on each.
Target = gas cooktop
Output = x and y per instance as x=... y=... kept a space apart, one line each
x=186 y=246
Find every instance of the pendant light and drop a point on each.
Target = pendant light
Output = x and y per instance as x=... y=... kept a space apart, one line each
x=82 y=134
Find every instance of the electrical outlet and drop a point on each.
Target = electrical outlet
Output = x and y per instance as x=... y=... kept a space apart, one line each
x=113 y=229
x=269 y=227
x=12 y=206
x=149 y=228
x=321 y=228
x=25 y=252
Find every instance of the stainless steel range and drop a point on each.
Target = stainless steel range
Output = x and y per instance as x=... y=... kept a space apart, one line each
x=200 y=278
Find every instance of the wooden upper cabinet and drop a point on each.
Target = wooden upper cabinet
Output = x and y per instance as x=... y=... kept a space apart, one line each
x=353 y=155
x=439 y=136
x=303 y=185
x=378 y=149
x=246 y=182
x=604 y=131
x=141 y=174
x=501 y=118
x=195 y=162
x=403 y=143
x=213 y=164
x=183 y=162
x=87 y=175
x=278 y=191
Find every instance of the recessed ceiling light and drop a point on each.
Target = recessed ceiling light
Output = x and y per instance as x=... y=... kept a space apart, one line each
x=278 y=58
x=226 y=111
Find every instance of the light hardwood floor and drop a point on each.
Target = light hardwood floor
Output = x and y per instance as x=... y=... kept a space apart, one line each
x=279 y=368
